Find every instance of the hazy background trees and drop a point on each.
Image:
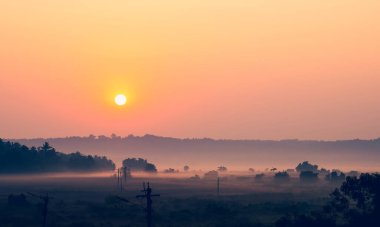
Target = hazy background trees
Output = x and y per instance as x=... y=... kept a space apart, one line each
x=306 y=166
x=139 y=164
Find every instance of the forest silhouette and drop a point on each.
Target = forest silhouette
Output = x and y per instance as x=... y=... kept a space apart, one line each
x=17 y=158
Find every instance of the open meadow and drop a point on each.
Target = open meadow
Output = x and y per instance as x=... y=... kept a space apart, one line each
x=96 y=200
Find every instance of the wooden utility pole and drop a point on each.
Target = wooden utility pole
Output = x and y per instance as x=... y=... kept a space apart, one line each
x=218 y=186
x=148 y=195
x=118 y=179
x=119 y=186
x=123 y=173
x=45 y=200
x=121 y=180
x=126 y=173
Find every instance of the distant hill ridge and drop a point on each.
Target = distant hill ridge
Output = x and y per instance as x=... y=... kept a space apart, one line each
x=151 y=137
x=203 y=152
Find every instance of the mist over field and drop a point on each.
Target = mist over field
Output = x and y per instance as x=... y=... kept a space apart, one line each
x=238 y=155
x=244 y=113
x=42 y=186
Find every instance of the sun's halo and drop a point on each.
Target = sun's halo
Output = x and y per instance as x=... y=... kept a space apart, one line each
x=120 y=99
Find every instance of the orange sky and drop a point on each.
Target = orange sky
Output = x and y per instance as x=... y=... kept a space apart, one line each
x=264 y=69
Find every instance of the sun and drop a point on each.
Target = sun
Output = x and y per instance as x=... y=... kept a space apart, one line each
x=120 y=99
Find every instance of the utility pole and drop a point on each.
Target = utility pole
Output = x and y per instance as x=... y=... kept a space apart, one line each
x=119 y=186
x=218 y=186
x=148 y=195
x=45 y=200
x=118 y=179
x=123 y=173
x=121 y=180
x=126 y=173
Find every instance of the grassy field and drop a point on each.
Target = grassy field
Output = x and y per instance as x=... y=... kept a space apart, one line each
x=91 y=201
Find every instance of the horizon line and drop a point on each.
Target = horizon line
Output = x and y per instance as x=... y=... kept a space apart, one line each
x=188 y=138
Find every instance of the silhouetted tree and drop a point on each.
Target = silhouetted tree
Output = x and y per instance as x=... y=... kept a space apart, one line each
x=335 y=177
x=186 y=168
x=170 y=170
x=355 y=204
x=359 y=200
x=150 y=168
x=324 y=171
x=259 y=177
x=282 y=176
x=306 y=166
x=139 y=164
x=308 y=176
x=195 y=177
x=211 y=175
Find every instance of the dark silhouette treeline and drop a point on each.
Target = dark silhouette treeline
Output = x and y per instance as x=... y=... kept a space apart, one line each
x=356 y=203
x=17 y=158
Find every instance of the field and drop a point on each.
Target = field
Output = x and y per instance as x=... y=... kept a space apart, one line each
x=80 y=200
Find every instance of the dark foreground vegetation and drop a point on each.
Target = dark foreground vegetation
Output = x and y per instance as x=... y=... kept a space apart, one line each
x=356 y=203
x=17 y=158
x=188 y=202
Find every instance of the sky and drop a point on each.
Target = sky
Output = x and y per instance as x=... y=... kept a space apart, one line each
x=239 y=69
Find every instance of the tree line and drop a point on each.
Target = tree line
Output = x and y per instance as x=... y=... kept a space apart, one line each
x=17 y=158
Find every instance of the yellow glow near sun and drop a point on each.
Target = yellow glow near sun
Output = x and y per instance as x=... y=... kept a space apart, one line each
x=120 y=99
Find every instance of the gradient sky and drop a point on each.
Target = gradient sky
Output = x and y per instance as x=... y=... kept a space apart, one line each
x=265 y=69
